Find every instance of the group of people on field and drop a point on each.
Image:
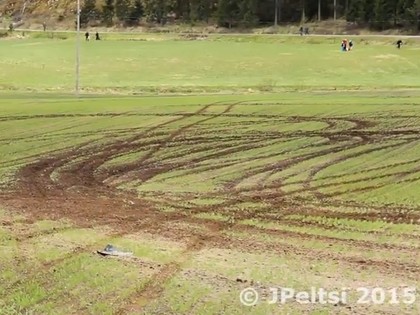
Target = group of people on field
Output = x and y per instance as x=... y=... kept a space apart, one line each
x=303 y=31
x=346 y=45
x=87 y=36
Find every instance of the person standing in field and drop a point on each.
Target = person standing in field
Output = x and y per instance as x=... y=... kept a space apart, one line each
x=97 y=36
x=344 y=45
x=399 y=43
x=87 y=36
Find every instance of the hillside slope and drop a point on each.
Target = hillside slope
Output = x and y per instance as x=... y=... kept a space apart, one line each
x=60 y=15
x=29 y=9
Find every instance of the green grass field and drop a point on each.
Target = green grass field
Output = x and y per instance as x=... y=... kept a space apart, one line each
x=300 y=170
x=152 y=63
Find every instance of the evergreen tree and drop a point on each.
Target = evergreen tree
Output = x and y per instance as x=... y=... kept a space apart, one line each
x=122 y=9
x=248 y=12
x=203 y=9
x=402 y=11
x=88 y=12
x=356 y=11
x=407 y=12
x=108 y=11
x=416 y=10
x=194 y=6
x=382 y=14
x=157 y=10
x=369 y=10
x=227 y=12
x=136 y=12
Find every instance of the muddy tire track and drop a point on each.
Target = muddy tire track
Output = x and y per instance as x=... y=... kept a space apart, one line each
x=83 y=189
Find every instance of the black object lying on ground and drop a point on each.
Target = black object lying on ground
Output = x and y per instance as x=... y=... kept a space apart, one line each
x=110 y=250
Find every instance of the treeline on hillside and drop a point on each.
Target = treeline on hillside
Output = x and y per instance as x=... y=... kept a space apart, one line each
x=379 y=14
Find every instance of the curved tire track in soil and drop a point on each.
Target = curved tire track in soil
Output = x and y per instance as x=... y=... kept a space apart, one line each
x=36 y=183
x=79 y=193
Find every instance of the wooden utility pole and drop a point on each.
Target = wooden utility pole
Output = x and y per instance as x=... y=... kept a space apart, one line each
x=303 y=11
x=335 y=10
x=319 y=10
x=276 y=12
x=77 y=87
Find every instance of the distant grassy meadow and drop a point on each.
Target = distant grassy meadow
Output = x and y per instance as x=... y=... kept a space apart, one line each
x=250 y=161
x=216 y=63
